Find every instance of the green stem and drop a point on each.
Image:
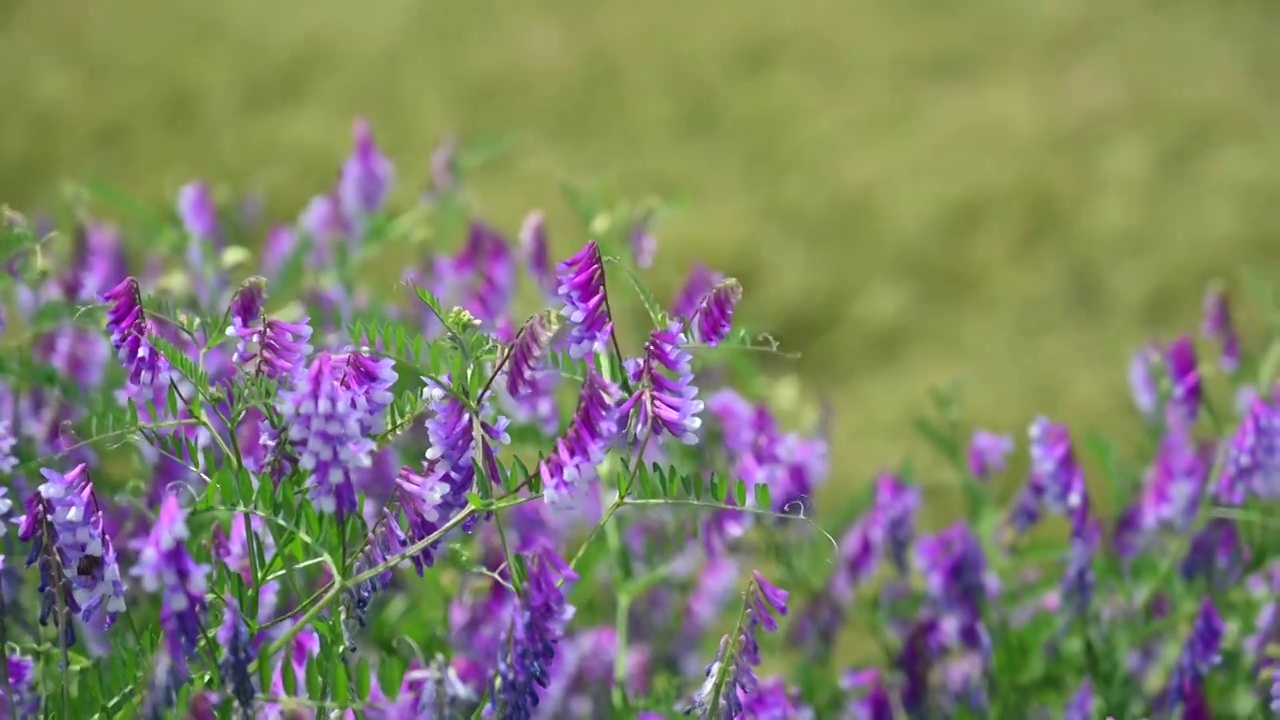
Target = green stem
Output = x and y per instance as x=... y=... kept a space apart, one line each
x=722 y=674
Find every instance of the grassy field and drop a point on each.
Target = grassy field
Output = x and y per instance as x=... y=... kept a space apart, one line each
x=1012 y=193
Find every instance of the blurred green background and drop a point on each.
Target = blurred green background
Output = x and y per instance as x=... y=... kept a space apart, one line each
x=1015 y=194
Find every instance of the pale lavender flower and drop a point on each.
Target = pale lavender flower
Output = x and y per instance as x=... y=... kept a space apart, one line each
x=1218 y=326
x=326 y=432
x=130 y=332
x=272 y=347
x=583 y=445
x=665 y=401
x=700 y=281
x=713 y=318
x=535 y=254
x=1252 y=462
x=165 y=566
x=77 y=560
x=988 y=453
x=644 y=244
x=582 y=289
x=25 y=699
x=1184 y=373
x=279 y=246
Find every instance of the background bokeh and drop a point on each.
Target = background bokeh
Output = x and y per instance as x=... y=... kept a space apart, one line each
x=1014 y=194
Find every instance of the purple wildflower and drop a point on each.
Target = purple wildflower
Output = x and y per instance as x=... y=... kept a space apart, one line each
x=325 y=430
x=773 y=700
x=278 y=248
x=1217 y=553
x=366 y=176
x=324 y=221
x=272 y=347
x=198 y=212
x=1142 y=380
x=1082 y=703
x=582 y=447
x=77 y=560
x=700 y=281
x=664 y=404
x=248 y=302
x=954 y=568
x=1079 y=579
x=1252 y=462
x=1184 y=373
x=582 y=289
x=528 y=355
x=130 y=333
x=731 y=676
x=870 y=700
x=301 y=649
x=988 y=453
x=1175 y=483
x=164 y=565
x=1057 y=481
x=537 y=627
x=713 y=318
x=535 y=252
x=644 y=244
x=444 y=170
x=25 y=701
x=370 y=380
x=896 y=504
x=1218 y=326
x=1199 y=655
x=233 y=638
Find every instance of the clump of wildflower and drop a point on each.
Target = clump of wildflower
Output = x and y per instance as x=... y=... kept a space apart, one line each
x=1217 y=326
x=1217 y=553
x=325 y=430
x=665 y=401
x=988 y=453
x=370 y=380
x=582 y=446
x=78 y=566
x=130 y=332
x=713 y=318
x=537 y=627
x=582 y=289
x=886 y=530
x=164 y=565
x=731 y=676
x=199 y=215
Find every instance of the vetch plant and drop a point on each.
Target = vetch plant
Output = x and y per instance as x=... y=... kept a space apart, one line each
x=244 y=481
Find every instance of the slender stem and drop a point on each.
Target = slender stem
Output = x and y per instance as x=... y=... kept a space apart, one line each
x=722 y=674
x=506 y=356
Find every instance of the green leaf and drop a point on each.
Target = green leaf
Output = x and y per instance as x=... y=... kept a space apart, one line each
x=288 y=676
x=339 y=684
x=364 y=679
x=475 y=501
x=763 y=501
x=688 y=482
x=740 y=493
x=719 y=488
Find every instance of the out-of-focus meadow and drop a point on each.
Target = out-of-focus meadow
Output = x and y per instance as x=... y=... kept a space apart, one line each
x=1011 y=193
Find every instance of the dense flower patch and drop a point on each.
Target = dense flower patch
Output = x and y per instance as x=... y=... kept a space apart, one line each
x=245 y=483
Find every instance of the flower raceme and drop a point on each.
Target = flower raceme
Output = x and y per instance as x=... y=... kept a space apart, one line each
x=78 y=566
x=586 y=306
x=665 y=400
x=713 y=318
x=582 y=446
x=131 y=331
x=165 y=566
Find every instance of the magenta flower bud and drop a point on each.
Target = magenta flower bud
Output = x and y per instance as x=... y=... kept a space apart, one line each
x=274 y=348
x=247 y=304
x=700 y=281
x=528 y=356
x=713 y=318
